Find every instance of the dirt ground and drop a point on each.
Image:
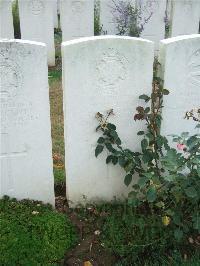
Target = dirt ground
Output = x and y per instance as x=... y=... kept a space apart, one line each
x=90 y=250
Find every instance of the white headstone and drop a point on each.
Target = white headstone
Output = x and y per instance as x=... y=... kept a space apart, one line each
x=37 y=24
x=25 y=132
x=101 y=73
x=110 y=12
x=185 y=17
x=180 y=60
x=153 y=13
x=58 y=6
x=55 y=13
x=6 y=20
x=77 y=18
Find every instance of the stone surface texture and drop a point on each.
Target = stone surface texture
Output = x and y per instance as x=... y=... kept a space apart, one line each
x=153 y=11
x=77 y=18
x=26 y=169
x=185 y=17
x=180 y=60
x=37 y=24
x=6 y=19
x=101 y=73
x=55 y=13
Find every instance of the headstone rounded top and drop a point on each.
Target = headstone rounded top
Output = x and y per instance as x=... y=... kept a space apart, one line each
x=106 y=37
x=19 y=41
x=180 y=38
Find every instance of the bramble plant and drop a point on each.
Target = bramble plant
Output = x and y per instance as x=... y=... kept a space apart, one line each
x=169 y=178
x=129 y=18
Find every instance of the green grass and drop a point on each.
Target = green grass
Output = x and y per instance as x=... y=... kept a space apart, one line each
x=33 y=234
x=54 y=75
x=137 y=238
x=59 y=176
x=57 y=124
x=142 y=239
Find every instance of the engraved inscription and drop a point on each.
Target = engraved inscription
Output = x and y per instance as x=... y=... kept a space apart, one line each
x=193 y=69
x=111 y=68
x=17 y=113
x=11 y=79
x=36 y=7
x=77 y=6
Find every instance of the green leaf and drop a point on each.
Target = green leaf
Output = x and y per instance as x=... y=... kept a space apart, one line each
x=98 y=150
x=149 y=175
x=128 y=167
x=114 y=160
x=114 y=134
x=159 y=141
x=191 y=192
x=151 y=194
x=144 y=97
x=128 y=179
x=147 y=110
x=122 y=161
x=170 y=178
x=118 y=141
x=192 y=141
x=198 y=171
x=136 y=187
x=144 y=144
x=147 y=156
x=110 y=147
x=142 y=181
x=101 y=140
x=197 y=126
x=108 y=159
x=196 y=221
x=140 y=133
x=111 y=126
x=169 y=212
x=177 y=219
x=178 y=234
x=160 y=204
x=165 y=92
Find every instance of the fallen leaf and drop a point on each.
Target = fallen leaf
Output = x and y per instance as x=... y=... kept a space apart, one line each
x=87 y=263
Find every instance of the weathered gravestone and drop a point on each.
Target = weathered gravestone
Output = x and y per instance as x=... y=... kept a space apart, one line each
x=6 y=19
x=77 y=18
x=112 y=11
x=185 y=17
x=101 y=73
x=37 y=24
x=25 y=132
x=180 y=60
x=153 y=16
x=55 y=13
